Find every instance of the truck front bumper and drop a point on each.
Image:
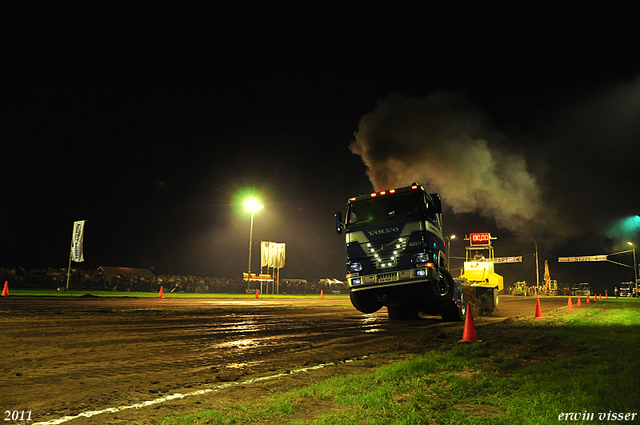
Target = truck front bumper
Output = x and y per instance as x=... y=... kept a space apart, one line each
x=393 y=278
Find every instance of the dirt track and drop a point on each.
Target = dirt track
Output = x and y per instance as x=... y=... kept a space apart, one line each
x=64 y=356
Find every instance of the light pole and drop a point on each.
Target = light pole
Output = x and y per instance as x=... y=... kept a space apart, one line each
x=635 y=267
x=449 y=239
x=251 y=205
x=537 y=269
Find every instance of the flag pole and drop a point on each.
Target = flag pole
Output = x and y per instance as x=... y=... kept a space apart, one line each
x=68 y=272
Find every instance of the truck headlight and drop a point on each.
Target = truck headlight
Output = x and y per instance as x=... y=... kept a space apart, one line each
x=356 y=281
x=355 y=267
x=420 y=258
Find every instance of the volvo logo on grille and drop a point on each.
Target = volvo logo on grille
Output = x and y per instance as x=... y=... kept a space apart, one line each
x=384 y=231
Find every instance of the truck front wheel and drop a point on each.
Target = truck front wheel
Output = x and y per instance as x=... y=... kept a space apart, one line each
x=365 y=302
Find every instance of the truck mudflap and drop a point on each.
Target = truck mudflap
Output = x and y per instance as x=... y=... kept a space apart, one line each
x=454 y=308
x=485 y=298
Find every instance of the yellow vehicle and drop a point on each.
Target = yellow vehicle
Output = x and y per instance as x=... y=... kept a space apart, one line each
x=550 y=285
x=479 y=279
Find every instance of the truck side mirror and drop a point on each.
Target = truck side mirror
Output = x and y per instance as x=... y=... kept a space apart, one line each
x=339 y=223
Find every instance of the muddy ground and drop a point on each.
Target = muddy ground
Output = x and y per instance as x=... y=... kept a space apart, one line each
x=62 y=356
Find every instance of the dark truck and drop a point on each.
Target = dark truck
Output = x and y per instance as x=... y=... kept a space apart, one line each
x=626 y=289
x=581 y=289
x=395 y=255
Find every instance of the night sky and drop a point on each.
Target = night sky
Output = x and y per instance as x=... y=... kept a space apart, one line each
x=145 y=118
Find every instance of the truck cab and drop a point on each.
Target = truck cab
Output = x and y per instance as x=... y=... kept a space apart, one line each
x=395 y=255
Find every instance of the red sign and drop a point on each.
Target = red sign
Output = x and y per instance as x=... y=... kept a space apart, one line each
x=480 y=238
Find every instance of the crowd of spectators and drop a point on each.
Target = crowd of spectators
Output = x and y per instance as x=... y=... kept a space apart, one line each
x=19 y=277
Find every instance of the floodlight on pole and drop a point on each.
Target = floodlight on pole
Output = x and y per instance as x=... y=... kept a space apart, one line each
x=251 y=205
x=449 y=239
x=635 y=265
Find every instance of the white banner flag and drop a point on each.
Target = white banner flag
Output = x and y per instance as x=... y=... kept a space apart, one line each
x=272 y=254
x=278 y=254
x=582 y=259
x=508 y=260
x=77 y=240
x=264 y=253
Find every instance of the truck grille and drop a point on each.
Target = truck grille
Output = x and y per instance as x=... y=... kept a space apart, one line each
x=387 y=277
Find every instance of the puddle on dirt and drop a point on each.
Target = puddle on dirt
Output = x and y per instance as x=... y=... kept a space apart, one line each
x=371 y=324
x=240 y=343
x=237 y=365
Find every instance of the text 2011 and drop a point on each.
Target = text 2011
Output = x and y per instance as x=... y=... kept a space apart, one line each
x=17 y=415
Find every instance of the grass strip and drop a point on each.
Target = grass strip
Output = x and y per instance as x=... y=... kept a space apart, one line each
x=583 y=364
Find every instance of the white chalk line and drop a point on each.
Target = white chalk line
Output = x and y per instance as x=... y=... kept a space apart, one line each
x=177 y=396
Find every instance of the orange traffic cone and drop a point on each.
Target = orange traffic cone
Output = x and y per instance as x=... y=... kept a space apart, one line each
x=606 y=296
x=538 y=309
x=588 y=299
x=600 y=297
x=322 y=293
x=469 y=332
x=257 y=292
x=579 y=302
x=569 y=304
x=161 y=293
x=5 y=291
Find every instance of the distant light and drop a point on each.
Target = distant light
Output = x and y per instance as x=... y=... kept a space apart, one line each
x=383 y=193
x=373 y=195
x=628 y=227
x=392 y=191
x=252 y=205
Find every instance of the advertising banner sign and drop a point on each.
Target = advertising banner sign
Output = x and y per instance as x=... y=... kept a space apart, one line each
x=272 y=254
x=582 y=259
x=508 y=259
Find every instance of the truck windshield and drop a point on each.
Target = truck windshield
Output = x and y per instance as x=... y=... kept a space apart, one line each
x=374 y=211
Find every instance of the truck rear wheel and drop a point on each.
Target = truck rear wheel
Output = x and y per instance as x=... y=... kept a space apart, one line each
x=365 y=302
x=453 y=301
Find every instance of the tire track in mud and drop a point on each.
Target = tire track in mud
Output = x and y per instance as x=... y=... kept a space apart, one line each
x=62 y=357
